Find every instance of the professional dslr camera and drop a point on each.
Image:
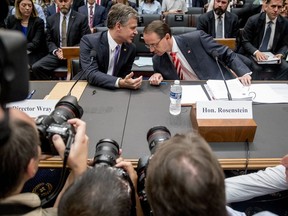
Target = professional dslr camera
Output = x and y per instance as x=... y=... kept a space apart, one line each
x=106 y=153
x=155 y=136
x=56 y=123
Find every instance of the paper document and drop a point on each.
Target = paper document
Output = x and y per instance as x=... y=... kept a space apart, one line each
x=144 y=61
x=192 y=93
x=218 y=90
x=270 y=93
x=271 y=59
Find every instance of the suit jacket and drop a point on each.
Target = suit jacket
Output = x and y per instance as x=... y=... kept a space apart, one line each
x=51 y=10
x=197 y=48
x=99 y=14
x=254 y=30
x=77 y=27
x=206 y=22
x=35 y=32
x=96 y=74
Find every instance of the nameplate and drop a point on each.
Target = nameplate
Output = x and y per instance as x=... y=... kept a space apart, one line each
x=224 y=110
x=34 y=108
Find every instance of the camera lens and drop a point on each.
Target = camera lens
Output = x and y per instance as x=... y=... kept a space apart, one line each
x=67 y=108
x=106 y=153
x=156 y=135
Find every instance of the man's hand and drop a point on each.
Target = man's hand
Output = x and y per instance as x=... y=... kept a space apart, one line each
x=245 y=80
x=59 y=54
x=129 y=82
x=260 y=56
x=77 y=159
x=156 y=79
x=128 y=167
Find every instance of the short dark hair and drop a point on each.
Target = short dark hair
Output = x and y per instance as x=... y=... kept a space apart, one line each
x=120 y=13
x=185 y=178
x=15 y=155
x=100 y=191
x=268 y=2
x=159 y=27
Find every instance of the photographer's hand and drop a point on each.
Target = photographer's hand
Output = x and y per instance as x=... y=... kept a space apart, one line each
x=128 y=167
x=77 y=159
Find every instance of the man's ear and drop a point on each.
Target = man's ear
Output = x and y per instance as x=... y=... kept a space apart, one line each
x=32 y=168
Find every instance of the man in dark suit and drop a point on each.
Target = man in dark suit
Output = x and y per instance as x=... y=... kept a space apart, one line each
x=58 y=35
x=195 y=52
x=96 y=14
x=208 y=21
x=114 y=50
x=253 y=38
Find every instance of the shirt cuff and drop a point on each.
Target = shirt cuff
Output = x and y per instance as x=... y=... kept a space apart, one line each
x=255 y=52
x=117 y=83
x=250 y=73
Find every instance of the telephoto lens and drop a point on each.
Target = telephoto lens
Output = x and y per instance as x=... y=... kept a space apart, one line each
x=157 y=135
x=106 y=153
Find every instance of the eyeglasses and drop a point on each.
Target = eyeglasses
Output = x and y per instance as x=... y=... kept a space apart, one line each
x=153 y=45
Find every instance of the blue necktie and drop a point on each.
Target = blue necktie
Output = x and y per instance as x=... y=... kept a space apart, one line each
x=264 y=45
x=116 y=56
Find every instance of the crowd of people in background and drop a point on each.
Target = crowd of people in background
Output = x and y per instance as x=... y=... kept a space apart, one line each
x=41 y=21
x=186 y=180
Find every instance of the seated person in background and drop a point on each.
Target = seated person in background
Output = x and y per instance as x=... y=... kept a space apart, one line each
x=19 y=159
x=185 y=178
x=40 y=12
x=125 y=2
x=114 y=50
x=174 y=7
x=52 y=9
x=219 y=23
x=255 y=41
x=95 y=13
x=102 y=190
x=284 y=11
x=150 y=7
x=27 y=21
x=63 y=29
x=192 y=53
x=245 y=187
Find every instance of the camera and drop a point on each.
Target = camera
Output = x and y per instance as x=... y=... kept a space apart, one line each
x=56 y=123
x=155 y=136
x=106 y=153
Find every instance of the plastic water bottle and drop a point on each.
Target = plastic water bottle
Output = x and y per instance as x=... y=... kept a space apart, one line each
x=175 y=98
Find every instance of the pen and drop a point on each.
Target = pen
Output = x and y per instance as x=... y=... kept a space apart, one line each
x=31 y=94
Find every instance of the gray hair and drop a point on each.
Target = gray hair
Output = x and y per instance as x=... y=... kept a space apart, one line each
x=120 y=13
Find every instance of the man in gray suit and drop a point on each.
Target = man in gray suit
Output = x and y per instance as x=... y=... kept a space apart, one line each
x=63 y=29
x=196 y=52
x=114 y=53
x=208 y=22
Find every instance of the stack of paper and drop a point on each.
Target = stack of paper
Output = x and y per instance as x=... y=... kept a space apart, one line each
x=218 y=90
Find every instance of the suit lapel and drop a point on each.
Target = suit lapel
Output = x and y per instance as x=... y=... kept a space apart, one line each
x=70 y=24
x=57 y=30
x=211 y=22
x=122 y=58
x=227 y=24
x=104 y=47
x=278 y=30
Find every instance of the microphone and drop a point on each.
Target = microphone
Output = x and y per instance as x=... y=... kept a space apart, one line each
x=92 y=56
x=215 y=55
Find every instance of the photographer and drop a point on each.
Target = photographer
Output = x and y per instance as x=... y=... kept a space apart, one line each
x=102 y=191
x=19 y=159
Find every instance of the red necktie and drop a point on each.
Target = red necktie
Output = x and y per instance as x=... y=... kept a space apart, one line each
x=91 y=16
x=177 y=64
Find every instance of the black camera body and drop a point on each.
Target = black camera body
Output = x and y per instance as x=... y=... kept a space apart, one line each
x=56 y=123
x=155 y=136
